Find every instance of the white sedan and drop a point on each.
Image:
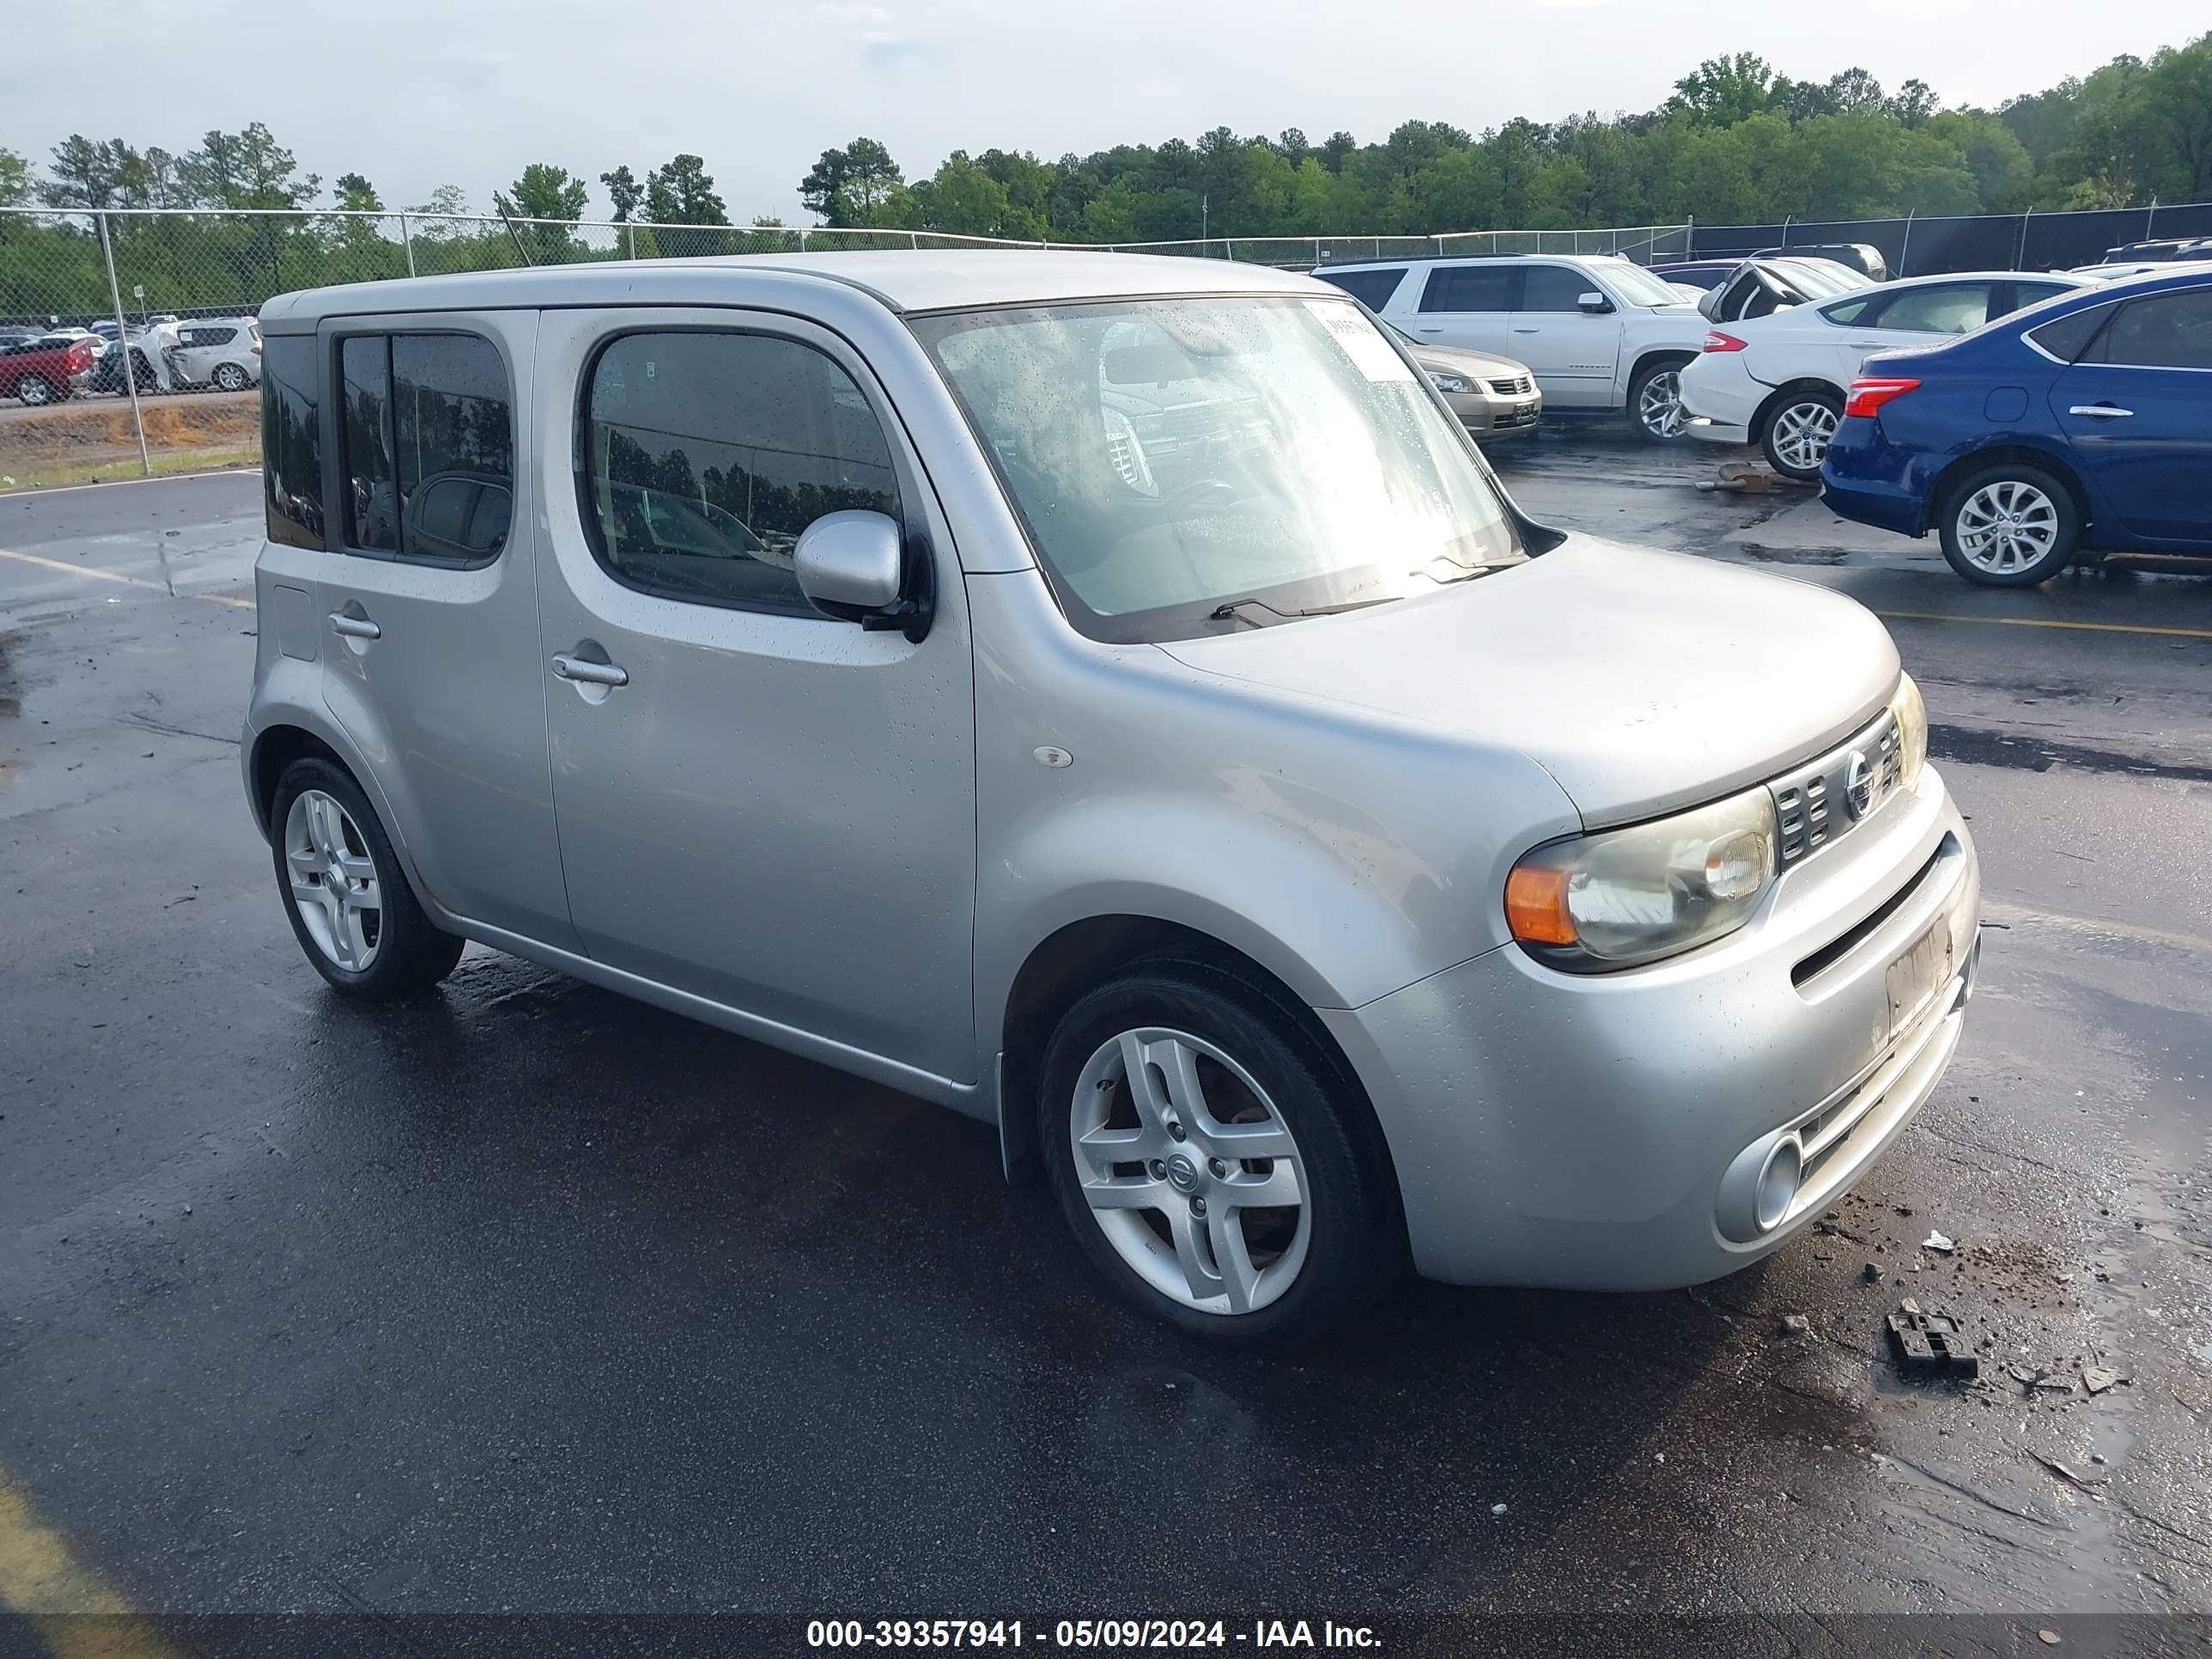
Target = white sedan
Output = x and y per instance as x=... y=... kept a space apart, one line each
x=1779 y=380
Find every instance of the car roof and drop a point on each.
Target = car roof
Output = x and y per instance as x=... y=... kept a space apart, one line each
x=1405 y=259
x=903 y=280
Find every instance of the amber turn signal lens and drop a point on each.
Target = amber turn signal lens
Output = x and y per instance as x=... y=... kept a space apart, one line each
x=1536 y=906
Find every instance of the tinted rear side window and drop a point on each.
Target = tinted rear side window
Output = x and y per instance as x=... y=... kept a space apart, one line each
x=2068 y=336
x=453 y=425
x=1372 y=288
x=1476 y=288
x=365 y=434
x=291 y=441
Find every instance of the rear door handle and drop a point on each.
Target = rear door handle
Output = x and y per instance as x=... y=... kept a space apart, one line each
x=354 y=628
x=589 y=673
x=1527 y=331
x=1431 y=328
x=2100 y=411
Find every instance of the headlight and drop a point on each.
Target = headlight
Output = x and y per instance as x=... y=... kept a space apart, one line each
x=1625 y=896
x=1452 y=383
x=1911 y=715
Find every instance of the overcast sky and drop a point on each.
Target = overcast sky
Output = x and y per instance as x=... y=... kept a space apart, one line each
x=419 y=93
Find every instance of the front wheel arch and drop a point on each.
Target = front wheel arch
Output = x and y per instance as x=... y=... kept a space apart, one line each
x=1064 y=966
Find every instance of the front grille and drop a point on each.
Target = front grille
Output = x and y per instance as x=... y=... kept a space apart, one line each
x=1824 y=800
x=1520 y=388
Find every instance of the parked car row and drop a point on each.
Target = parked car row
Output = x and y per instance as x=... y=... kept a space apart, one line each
x=1597 y=334
x=1780 y=379
x=2079 y=425
x=163 y=354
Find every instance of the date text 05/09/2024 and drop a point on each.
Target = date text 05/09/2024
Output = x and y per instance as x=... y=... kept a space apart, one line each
x=1110 y=1634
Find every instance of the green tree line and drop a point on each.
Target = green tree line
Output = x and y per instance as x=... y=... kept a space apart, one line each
x=1736 y=143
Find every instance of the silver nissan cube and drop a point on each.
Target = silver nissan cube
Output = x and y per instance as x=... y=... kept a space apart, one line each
x=1110 y=697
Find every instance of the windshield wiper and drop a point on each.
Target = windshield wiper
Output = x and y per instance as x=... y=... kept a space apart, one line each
x=1233 y=609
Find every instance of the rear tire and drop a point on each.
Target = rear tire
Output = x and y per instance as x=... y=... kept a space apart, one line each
x=2010 y=524
x=344 y=893
x=36 y=390
x=1655 y=401
x=230 y=377
x=1164 y=1184
x=1797 y=431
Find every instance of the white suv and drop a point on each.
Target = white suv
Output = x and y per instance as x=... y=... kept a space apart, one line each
x=1599 y=332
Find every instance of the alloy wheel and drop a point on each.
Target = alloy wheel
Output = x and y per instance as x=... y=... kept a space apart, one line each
x=230 y=377
x=1659 y=406
x=1190 y=1171
x=1802 y=433
x=2007 y=526
x=34 y=390
x=333 y=880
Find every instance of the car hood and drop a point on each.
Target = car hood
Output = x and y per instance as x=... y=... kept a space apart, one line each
x=1641 y=681
x=1457 y=360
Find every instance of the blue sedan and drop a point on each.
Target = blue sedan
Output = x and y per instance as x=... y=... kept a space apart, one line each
x=2084 y=423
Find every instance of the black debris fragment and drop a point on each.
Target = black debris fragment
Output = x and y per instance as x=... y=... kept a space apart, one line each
x=1931 y=1345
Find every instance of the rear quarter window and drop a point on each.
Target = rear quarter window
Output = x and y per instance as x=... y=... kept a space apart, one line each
x=291 y=441
x=1372 y=288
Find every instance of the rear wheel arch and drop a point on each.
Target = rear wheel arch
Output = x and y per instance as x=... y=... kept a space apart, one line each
x=277 y=748
x=1789 y=389
x=1946 y=483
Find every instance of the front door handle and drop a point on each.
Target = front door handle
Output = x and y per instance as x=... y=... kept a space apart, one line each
x=589 y=673
x=2100 y=411
x=1527 y=331
x=354 y=628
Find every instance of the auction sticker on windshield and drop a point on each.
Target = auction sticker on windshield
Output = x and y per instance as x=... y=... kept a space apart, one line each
x=1370 y=352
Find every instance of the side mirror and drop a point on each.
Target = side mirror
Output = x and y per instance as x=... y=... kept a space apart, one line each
x=852 y=565
x=849 y=563
x=1594 y=301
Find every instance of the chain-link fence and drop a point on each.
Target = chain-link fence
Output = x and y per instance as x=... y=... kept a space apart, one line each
x=128 y=344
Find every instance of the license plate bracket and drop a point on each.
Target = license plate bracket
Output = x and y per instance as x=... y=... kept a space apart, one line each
x=1913 y=979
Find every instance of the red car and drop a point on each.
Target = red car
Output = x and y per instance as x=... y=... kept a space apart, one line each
x=45 y=371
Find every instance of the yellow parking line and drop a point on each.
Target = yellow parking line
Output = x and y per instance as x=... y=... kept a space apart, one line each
x=75 y=1613
x=2048 y=622
x=130 y=582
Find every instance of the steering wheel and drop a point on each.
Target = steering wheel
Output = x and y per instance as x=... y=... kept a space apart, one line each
x=1216 y=491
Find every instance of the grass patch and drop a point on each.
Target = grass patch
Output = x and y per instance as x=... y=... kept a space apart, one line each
x=54 y=474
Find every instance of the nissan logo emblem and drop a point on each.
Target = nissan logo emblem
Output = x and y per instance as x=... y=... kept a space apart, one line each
x=1858 y=784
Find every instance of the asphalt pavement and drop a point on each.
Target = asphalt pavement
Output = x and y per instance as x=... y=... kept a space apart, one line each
x=530 y=1297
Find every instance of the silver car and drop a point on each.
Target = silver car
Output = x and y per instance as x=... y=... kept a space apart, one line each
x=1494 y=398
x=1110 y=697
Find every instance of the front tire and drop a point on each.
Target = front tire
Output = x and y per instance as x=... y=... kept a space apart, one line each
x=2010 y=526
x=1797 y=432
x=1215 y=1164
x=1655 y=401
x=344 y=893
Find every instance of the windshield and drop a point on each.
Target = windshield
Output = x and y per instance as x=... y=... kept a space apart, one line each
x=1637 y=285
x=1190 y=466
x=1819 y=279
